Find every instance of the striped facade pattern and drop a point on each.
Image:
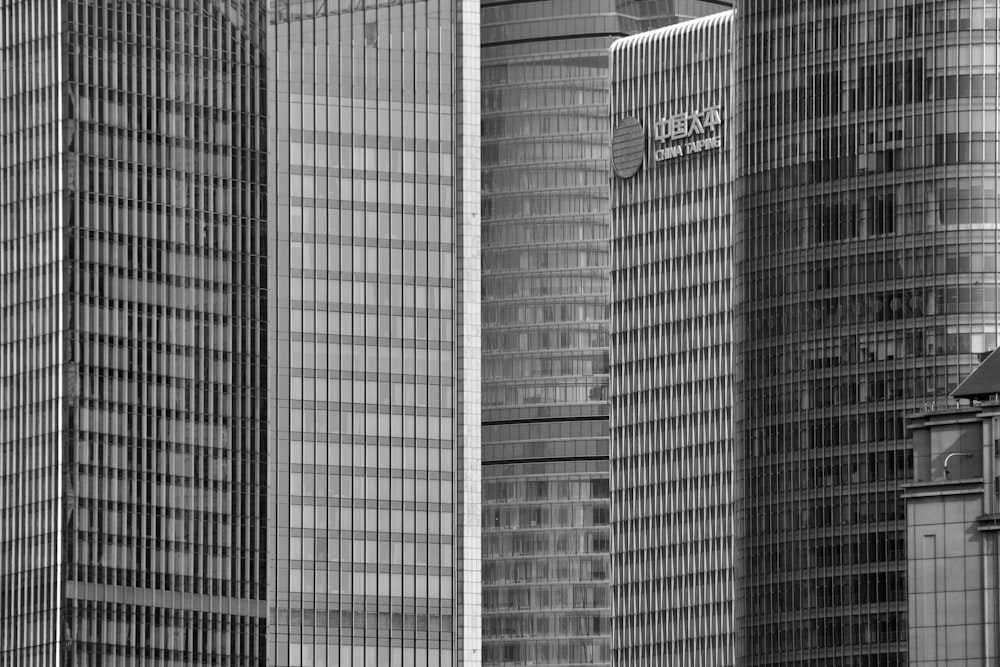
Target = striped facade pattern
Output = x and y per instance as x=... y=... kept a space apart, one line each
x=671 y=330
x=545 y=280
x=132 y=467
x=32 y=298
x=866 y=244
x=374 y=438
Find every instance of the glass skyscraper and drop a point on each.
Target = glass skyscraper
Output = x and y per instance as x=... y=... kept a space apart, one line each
x=867 y=278
x=373 y=178
x=132 y=408
x=546 y=493
x=671 y=346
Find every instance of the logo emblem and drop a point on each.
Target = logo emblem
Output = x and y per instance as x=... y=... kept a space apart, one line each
x=628 y=147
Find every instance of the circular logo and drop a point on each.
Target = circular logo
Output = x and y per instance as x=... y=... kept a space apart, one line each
x=627 y=147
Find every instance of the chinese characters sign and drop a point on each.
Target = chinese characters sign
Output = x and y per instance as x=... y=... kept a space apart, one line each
x=687 y=132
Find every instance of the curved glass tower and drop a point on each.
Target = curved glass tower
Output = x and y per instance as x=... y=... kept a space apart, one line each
x=546 y=586
x=866 y=268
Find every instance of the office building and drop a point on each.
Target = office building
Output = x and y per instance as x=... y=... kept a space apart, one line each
x=132 y=433
x=373 y=181
x=866 y=249
x=545 y=317
x=671 y=343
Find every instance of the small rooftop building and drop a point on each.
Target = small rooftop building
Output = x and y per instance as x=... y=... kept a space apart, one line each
x=952 y=524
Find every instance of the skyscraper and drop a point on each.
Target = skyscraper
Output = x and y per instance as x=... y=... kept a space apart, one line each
x=671 y=342
x=132 y=409
x=867 y=280
x=545 y=317
x=373 y=178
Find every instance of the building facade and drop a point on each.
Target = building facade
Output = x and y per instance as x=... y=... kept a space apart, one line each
x=545 y=316
x=373 y=178
x=866 y=286
x=671 y=342
x=132 y=449
x=952 y=526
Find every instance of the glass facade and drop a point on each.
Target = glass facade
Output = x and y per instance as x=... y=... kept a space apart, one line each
x=671 y=342
x=545 y=318
x=131 y=279
x=866 y=270
x=32 y=303
x=373 y=334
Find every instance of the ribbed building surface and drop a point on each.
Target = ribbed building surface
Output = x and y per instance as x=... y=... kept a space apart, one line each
x=671 y=340
x=132 y=447
x=373 y=177
x=867 y=282
x=545 y=323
